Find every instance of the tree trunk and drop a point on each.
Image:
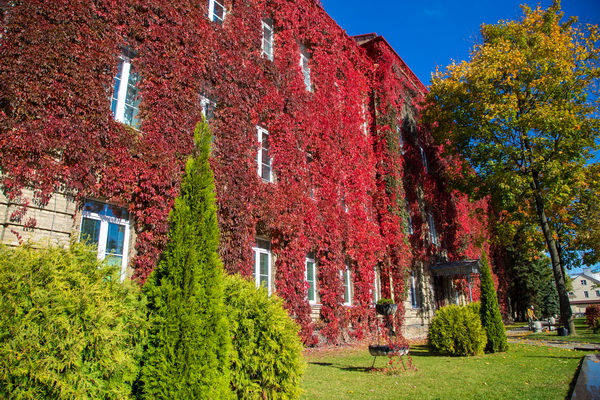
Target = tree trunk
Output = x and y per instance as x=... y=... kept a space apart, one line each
x=566 y=315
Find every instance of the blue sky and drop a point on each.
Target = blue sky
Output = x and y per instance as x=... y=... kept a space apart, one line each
x=430 y=33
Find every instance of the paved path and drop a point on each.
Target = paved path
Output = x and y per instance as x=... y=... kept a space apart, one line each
x=519 y=335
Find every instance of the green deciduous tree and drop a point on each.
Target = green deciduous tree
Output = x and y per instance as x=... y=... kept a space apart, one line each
x=188 y=343
x=523 y=111
x=68 y=328
x=491 y=319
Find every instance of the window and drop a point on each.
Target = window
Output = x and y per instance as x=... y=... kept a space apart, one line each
x=597 y=293
x=432 y=230
x=216 y=11
x=409 y=223
x=305 y=67
x=262 y=263
x=311 y=278
x=267 y=38
x=125 y=98
x=208 y=107
x=376 y=285
x=311 y=185
x=424 y=159
x=415 y=300
x=583 y=282
x=347 y=284
x=400 y=139
x=263 y=159
x=107 y=228
x=586 y=294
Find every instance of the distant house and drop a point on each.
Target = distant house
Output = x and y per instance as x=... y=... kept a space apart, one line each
x=586 y=290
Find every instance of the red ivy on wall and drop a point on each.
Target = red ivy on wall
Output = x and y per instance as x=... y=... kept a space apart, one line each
x=341 y=175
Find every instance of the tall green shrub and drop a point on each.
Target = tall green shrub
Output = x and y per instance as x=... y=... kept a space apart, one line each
x=267 y=352
x=490 y=311
x=188 y=344
x=68 y=328
x=456 y=331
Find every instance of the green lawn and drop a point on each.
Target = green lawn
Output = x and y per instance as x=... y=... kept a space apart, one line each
x=524 y=372
x=583 y=335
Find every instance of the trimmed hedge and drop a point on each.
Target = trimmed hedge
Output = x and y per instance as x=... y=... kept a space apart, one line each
x=266 y=358
x=68 y=328
x=457 y=331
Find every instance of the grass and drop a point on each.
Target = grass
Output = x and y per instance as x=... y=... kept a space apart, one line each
x=524 y=372
x=583 y=335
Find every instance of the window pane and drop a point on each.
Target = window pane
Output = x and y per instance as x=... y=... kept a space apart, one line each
x=267 y=43
x=117 y=85
x=265 y=157
x=310 y=278
x=90 y=231
x=264 y=270
x=132 y=99
x=218 y=12
x=117 y=212
x=115 y=239
x=94 y=207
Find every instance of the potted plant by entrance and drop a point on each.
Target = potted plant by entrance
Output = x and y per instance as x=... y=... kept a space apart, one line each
x=386 y=307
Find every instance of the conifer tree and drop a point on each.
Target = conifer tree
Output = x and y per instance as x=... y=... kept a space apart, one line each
x=490 y=311
x=188 y=345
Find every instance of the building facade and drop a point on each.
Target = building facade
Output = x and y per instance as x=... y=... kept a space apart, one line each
x=585 y=290
x=330 y=190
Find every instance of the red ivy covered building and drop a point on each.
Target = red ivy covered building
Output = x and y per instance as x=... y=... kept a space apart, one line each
x=330 y=191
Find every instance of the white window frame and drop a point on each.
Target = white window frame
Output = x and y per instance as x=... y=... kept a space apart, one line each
x=597 y=293
x=105 y=221
x=305 y=68
x=586 y=294
x=346 y=277
x=214 y=17
x=268 y=39
x=262 y=247
x=584 y=282
x=263 y=160
x=311 y=265
x=118 y=103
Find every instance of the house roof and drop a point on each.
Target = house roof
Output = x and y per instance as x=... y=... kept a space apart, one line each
x=588 y=274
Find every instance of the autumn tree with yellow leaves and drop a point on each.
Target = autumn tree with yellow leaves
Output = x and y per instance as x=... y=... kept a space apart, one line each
x=523 y=111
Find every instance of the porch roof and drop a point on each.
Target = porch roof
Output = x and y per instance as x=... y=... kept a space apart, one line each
x=449 y=268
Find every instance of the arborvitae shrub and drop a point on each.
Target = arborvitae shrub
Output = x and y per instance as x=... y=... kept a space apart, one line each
x=69 y=329
x=491 y=319
x=592 y=317
x=456 y=331
x=188 y=340
x=266 y=359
